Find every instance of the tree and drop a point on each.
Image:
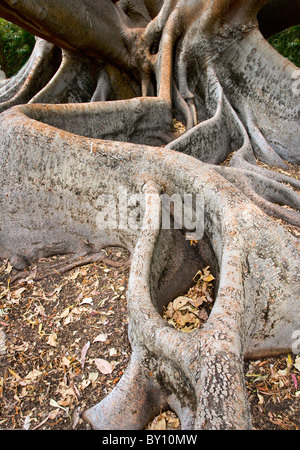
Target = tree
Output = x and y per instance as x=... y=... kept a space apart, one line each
x=66 y=152
x=287 y=43
x=15 y=47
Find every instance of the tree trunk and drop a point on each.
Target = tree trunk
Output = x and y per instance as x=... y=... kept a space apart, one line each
x=68 y=156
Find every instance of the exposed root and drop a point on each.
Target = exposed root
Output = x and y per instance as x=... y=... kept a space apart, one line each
x=266 y=193
x=164 y=63
x=32 y=78
x=72 y=83
x=185 y=91
x=135 y=401
x=69 y=264
x=58 y=159
x=182 y=109
x=210 y=143
x=124 y=120
x=238 y=160
x=207 y=141
x=183 y=372
x=261 y=147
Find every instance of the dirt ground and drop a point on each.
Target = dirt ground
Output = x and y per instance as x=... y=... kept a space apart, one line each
x=64 y=346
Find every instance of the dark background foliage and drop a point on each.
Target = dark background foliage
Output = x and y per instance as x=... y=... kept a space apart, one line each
x=15 y=47
x=288 y=44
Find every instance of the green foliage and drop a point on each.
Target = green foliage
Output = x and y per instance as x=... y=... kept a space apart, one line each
x=287 y=43
x=15 y=47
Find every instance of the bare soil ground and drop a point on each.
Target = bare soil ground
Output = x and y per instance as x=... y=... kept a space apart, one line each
x=64 y=346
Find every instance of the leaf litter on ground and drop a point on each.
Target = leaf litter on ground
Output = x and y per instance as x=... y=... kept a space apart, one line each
x=33 y=373
x=189 y=312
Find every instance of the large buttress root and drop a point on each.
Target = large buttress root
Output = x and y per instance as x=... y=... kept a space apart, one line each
x=236 y=75
x=36 y=73
x=133 y=403
x=72 y=83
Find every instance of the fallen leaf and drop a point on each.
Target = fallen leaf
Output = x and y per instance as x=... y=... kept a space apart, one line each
x=8 y=268
x=202 y=314
x=173 y=422
x=31 y=377
x=18 y=292
x=196 y=302
x=84 y=352
x=179 y=302
x=169 y=311
x=65 y=313
x=86 y=301
x=294 y=380
x=93 y=376
x=74 y=275
x=103 y=366
x=68 y=319
x=3 y=293
x=51 y=416
x=100 y=338
x=56 y=405
x=85 y=383
x=52 y=340
x=159 y=423
x=27 y=421
x=260 y=399
x=282 y=373
x=208 y=278
x=65 y=361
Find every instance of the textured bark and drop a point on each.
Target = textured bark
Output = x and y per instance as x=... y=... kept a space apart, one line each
x=63 y=145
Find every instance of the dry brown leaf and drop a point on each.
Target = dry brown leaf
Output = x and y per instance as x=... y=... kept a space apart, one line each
x=202 y=314
x=84 y=352
x=179 y=302
x=9 y=268
x=184 y=312
x=2 y=343
x=173 y=422
x=65 y=313
x=32 y=377
x=103 y=366
x=18 y=292
x=100 y=338
x=208 y=278
x=65 y=361
x=52 y=340
x=159 y=423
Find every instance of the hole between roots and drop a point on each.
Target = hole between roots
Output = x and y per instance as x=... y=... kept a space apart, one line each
x=184 y=279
